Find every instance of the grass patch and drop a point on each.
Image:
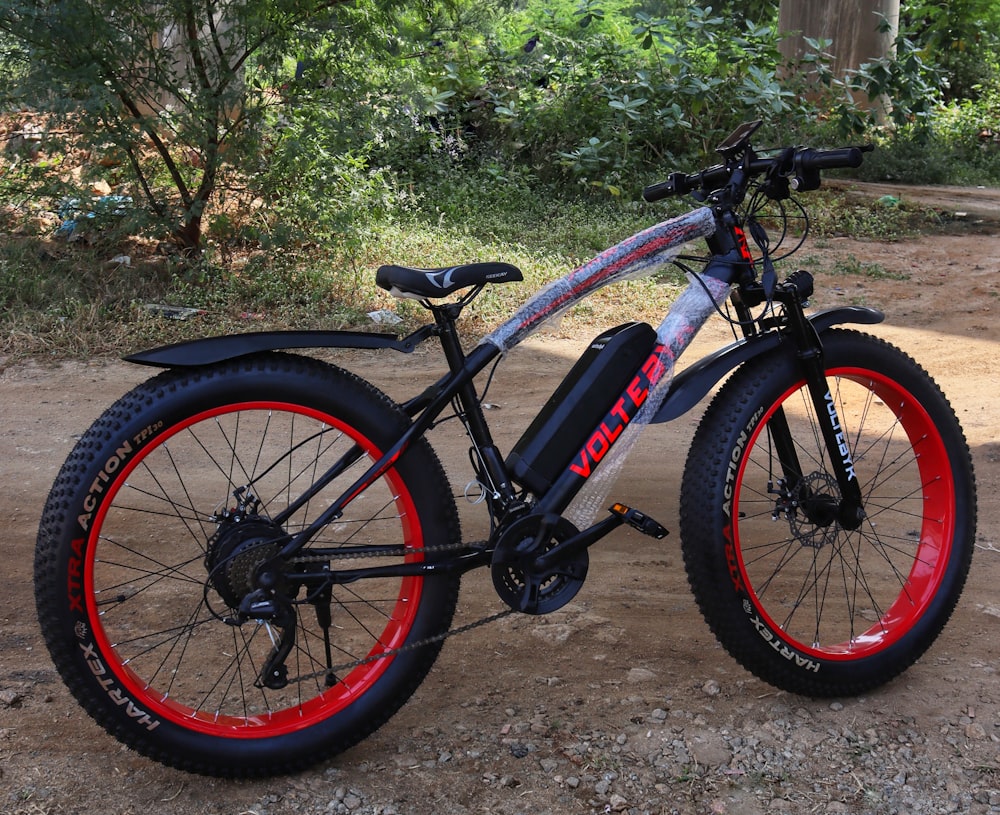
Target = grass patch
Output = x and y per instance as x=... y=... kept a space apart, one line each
x=81 y=300
x=874 y=271
x=835 y=213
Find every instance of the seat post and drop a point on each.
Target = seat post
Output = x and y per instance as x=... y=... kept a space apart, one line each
x=445 y=317
x=493 y=475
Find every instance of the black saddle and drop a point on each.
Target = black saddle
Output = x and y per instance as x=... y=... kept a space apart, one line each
x=403 y=281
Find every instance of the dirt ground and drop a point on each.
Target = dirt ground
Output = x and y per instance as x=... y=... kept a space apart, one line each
x=549 y=715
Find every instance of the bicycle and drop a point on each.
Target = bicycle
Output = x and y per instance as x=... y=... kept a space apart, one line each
x=250 y=561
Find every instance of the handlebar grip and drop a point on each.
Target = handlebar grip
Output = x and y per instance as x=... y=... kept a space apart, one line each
x=681 y=184
x=810 y=159
x=657 y=192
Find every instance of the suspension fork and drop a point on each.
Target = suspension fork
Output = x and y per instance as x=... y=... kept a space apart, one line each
x=809 y=351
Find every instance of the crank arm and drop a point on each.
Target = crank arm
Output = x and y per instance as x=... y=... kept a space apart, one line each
x=582 y=540
x=620 y=514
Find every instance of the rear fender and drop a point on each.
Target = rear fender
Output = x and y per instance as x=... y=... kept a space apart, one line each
x=219 y=349
x=690 y=386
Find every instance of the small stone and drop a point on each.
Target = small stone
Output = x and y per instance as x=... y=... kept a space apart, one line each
x=617 y=803
x=975 y=732
x=554 y=634
x=708 y=749
x=638 y=675
x=711 y=688
x=10 y=698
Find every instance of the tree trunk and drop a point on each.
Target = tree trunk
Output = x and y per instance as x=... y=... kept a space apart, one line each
x=853 y=25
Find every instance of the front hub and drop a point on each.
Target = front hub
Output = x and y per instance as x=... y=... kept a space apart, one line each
x=817 y=502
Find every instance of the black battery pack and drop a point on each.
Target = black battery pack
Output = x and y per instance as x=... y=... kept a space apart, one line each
x=578 y=405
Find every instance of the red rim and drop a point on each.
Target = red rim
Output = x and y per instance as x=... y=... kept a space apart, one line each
x=934 y=538
x=306 y=712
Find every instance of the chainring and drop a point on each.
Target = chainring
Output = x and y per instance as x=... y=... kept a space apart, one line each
x=519 y=582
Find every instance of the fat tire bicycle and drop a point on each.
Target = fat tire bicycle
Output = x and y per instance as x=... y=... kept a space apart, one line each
x=250 y=561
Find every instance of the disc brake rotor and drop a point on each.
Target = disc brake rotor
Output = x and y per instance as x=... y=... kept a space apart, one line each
x=815 y=524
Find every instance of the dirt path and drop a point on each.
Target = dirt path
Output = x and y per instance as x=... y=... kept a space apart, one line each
x=620 y=702
x=965 y=203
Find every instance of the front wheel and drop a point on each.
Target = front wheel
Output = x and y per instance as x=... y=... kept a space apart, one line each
x=799 y=600
x=161 y=521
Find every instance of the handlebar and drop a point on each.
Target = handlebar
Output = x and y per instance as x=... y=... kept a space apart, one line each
x=803 y=165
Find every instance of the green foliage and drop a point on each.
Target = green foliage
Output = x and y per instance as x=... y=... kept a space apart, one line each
x=596 y=91
x=297 y=124
x=178 y=88
x=858 y=268
x=963 y=39
x=903 y=87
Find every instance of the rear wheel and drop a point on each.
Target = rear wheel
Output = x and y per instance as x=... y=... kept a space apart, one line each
x=156 y=530
x=799 y=600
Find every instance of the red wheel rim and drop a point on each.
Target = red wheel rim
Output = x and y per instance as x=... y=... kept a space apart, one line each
x=933 y=539
x=306 y=712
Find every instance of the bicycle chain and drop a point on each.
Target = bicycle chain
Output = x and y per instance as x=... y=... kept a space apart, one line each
x=450 y=547
x=462 y=629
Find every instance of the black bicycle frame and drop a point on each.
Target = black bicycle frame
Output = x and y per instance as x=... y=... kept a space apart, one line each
x=731 y=264
x=459 y=385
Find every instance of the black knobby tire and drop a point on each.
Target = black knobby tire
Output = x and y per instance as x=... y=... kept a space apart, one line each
x=133 y=591
x=797 y=599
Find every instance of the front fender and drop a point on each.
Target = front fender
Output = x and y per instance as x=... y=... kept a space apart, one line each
x=218 y=349
x=690 y=386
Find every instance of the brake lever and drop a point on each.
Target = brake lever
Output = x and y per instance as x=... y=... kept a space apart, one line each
x=776 y=185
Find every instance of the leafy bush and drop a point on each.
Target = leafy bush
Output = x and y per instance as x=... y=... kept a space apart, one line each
x=598 y=91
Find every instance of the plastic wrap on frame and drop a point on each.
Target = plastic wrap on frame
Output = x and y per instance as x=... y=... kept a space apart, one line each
x=639 y=255
x=688 y=314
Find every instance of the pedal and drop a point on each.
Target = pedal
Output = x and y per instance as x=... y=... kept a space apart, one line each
x=639 y=520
